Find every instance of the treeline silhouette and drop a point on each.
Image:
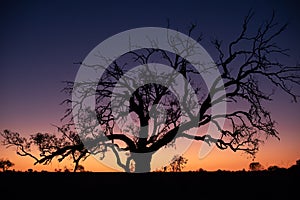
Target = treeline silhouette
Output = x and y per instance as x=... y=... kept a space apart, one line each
x=177 y=165
x=255 y=181
x=281 y=181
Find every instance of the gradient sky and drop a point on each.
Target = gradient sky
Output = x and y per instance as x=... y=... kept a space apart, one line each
x=40 y=41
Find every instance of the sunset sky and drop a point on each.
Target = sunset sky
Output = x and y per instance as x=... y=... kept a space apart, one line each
x=41 y=40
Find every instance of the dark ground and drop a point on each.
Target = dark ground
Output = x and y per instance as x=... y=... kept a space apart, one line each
x=245 y=185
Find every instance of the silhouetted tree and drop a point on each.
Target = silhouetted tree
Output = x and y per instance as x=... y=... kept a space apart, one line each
x=49 y=146
x=246 y=65
x=80 y=168
x=178 y=163
x=295 y=167
x=274 y=168
x=201 y=170
x=255 y=166
x=5 y=164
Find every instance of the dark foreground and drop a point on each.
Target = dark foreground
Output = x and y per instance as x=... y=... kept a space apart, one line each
x=221 y=183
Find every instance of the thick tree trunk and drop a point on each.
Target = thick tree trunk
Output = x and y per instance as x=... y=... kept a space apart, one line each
x=142 y=162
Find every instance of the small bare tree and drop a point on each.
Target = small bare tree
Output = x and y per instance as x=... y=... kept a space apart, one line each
x=177 y=164
x=5 y=164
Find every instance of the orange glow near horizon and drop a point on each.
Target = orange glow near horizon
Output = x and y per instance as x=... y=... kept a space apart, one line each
x=283 y=153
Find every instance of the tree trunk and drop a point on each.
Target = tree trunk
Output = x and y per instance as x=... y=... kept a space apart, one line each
x=142 y=162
